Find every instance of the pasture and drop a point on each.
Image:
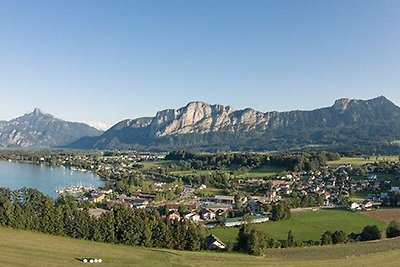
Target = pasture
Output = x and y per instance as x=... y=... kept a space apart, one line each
x=308 y=225
x=358 y=161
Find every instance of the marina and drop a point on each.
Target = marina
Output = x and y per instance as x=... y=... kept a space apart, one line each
x=49 y=180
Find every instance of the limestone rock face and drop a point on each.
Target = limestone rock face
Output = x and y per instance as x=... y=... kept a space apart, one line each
x=195 y=117
x=201 y=125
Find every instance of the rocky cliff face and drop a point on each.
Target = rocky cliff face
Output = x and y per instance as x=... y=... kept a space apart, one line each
x=38 y=129
x=201 y=124
x=196 y=117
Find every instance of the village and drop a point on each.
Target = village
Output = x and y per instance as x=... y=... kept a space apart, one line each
x=143 y=180
x=341 y=186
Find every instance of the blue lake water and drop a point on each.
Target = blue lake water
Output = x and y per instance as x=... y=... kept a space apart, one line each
x=46 y=179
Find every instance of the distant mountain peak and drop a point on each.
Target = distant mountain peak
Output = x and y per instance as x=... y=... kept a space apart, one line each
x=38 y=112
x=381 y=99
x=40 y=129
x=342 y=103
x=197 y=103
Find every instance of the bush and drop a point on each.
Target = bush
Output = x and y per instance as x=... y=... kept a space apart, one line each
x=370 y=232
x=339 y=237
x=326 y=238
x=393 y=229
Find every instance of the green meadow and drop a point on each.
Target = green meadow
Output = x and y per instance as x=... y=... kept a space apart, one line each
x=308 y=225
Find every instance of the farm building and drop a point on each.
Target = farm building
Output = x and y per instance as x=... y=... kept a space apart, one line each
x=213 y=243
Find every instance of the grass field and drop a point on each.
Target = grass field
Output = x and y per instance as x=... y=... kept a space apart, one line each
x=193 y=172
x=308 y=225
x=147 y=165
x=357 y=161
x=263 y=171
x=24 y=248
x=211 y=191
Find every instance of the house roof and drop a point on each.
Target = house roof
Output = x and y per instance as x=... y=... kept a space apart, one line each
x=212 y=238
x=233 y=220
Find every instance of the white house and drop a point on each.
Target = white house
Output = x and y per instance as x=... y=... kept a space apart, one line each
x=192 y=217
x=395 y=189
x=354 y=206
x=213 y=242
x=207 y=214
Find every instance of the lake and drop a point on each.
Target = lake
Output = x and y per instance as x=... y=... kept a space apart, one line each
x=46 y=179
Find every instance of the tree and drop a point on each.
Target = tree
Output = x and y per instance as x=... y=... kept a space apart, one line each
x=238 y=202
x=339 y=237
x=370 y=232
x=290 y=239
x=326 y=238
x=146 y=236
x=256 y=243
x=250 y=240
x=183 y=210
x=281 y=211
x=393 y=229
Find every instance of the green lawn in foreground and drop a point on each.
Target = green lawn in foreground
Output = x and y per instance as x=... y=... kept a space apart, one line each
x=307 y=225
x=24 y=248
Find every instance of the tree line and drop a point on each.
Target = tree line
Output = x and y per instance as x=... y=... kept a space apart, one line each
x=295 y=161
x=31 y=210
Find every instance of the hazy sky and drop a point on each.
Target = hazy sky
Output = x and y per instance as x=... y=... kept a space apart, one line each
x=104 y=61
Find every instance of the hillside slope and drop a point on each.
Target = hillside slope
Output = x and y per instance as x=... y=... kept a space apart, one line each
x=24 y=248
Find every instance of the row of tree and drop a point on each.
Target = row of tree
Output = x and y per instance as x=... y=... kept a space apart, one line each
x=29 y=209
x=295 y=161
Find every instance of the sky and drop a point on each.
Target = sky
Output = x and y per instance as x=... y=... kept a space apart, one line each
x=102 y=61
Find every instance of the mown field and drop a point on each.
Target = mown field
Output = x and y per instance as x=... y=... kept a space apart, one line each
x=260 y=172
x=147 y=165
x=24 y=248
x=308 y=225
x=357 y=161
x=263 y=171
x=384 y=214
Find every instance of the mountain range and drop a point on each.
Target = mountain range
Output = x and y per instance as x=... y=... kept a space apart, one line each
x=41 y=130
x=366 y=125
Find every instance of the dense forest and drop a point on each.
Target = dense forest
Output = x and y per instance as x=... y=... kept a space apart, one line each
x=290 y=161
x=31 y=210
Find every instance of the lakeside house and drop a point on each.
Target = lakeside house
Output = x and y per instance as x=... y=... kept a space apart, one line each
x=133 y=202
x=96 y=197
